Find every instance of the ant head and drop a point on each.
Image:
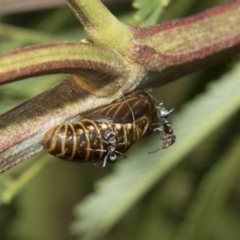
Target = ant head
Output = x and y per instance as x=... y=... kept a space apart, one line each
x=109 y=134
x=110 y=138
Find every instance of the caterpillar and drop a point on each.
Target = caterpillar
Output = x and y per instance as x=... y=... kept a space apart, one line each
x=108 y=132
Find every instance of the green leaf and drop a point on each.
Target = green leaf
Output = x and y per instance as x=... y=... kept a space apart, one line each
x=149 y=11
x=204 y=211
x=10 y=187
x=6 y=183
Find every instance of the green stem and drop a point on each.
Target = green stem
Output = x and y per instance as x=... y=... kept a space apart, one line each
x=101 y=26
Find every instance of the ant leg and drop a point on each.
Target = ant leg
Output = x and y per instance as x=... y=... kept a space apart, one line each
x=105 y=159
x=121 y=154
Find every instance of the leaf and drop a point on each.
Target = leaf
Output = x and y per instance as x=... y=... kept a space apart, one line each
x=203 y=213
x=149 y=11
x=6 y=183
x=10 y=187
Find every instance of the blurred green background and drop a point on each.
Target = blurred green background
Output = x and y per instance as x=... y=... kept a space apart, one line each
x=189 y=191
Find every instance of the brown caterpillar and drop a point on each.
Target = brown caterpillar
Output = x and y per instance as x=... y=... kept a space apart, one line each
x=109 y=132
